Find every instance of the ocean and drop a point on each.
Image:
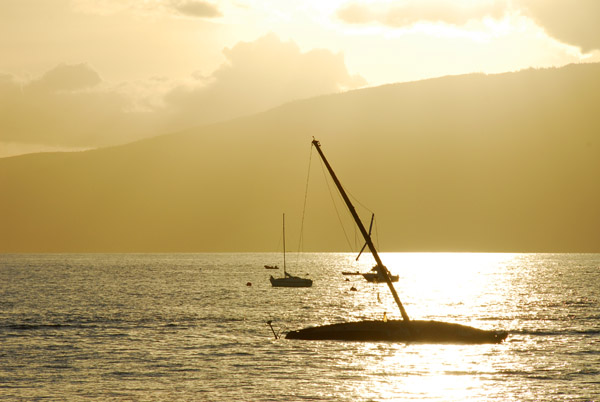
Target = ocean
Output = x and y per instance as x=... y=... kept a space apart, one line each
x=193 y=327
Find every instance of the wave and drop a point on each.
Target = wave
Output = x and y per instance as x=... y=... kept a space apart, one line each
x=37 y=327
x=544 y=332
x=101 y=324
x=541 y=318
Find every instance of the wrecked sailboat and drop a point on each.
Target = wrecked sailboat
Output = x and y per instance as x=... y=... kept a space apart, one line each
x=405 y=330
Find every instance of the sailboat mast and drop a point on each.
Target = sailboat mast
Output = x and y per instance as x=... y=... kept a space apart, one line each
x=284 y=245
x=380 y=267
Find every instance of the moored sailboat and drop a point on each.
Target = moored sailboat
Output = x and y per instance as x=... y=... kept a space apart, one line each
x=289 y=281
x=405 y=330
x=375 y=276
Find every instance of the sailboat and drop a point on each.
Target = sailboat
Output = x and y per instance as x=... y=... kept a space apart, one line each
x=289 y=281
x=405 y=330
x=375 y=276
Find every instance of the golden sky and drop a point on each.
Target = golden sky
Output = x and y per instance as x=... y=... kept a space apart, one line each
x=78 y=74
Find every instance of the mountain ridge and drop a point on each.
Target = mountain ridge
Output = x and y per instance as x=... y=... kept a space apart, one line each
x=503 y=162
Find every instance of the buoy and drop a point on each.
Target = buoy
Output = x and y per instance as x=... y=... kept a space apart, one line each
x=249 y=284
x=353 y=289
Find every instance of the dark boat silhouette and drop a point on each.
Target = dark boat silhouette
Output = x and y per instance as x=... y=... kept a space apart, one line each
x=405 y=330
x=289 y=281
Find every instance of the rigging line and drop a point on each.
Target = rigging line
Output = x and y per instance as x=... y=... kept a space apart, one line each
x=359 y=203
x=376 y=229
x=301 y=239
x=335 y=206
x=357 y=200
x=377 y=234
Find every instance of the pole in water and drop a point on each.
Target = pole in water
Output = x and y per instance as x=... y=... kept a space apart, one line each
x=274 y=334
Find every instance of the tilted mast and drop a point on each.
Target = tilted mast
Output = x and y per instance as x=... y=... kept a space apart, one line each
x=381 y=269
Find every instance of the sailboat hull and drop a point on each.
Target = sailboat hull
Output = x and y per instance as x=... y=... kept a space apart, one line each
x=377 y=278
x=291 y=282
x=400 y=331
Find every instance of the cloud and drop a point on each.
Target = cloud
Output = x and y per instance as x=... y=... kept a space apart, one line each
x=260 y=75
x=409 y=12
x=194 y=8
x=575 y=22
x=68 y=106
x=71 y=106
x=190 y=8
x=65 y=77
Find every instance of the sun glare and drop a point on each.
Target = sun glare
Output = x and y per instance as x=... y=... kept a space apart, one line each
x=445 y=284
x=446 y=374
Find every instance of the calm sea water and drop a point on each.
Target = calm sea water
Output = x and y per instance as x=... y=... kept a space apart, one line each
x=189 y=327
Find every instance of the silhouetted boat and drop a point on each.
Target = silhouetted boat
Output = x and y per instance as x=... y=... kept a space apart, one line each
x=372 y=276
x=271 y=267
x=404 y=330
x=289 y=281
x=377 y=277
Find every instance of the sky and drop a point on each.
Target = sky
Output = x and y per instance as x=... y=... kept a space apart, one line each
x=81 y=74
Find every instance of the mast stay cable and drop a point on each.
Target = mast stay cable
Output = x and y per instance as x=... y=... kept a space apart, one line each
x=301 y=238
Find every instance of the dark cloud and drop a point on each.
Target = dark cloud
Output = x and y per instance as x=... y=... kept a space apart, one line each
x=575 y=22
x=68 y=77
x=402 y=14
x=195 y=8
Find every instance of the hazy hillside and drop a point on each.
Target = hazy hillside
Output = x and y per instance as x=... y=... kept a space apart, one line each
x=507 y=162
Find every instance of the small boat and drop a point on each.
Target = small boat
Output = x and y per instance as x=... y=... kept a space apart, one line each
x=289 y=281
x=271 y=267
x=377 y=277
x=372 y=276
x=405 y=330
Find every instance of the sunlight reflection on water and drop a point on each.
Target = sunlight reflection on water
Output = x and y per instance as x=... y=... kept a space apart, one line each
x=186 y=327
x=435 y=285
